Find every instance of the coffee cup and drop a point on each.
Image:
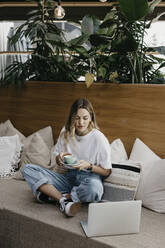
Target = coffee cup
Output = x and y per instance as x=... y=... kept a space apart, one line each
x=69 y=159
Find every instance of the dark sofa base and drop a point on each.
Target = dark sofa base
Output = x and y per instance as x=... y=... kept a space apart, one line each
x=22 y=232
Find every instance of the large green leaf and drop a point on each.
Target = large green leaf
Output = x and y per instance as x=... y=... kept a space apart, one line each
x=134 y=9
x=90 y=24
x=152 y=5
x=125 y=42
x=98 y=40
x=78 y=41
x=162 y=65
x=157 y=17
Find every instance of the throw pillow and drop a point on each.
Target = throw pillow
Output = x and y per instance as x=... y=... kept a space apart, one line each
x=7 y=129
x=36 y=152
x=123 y=182
x=2 y=129
x=10 y=150
x=153 y=185
x=118 y=152
x=46 y=134
x=142 y=153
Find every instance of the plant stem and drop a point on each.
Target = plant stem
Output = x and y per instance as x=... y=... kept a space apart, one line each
x=141 y=57
x=133 y=68
x=43 y=6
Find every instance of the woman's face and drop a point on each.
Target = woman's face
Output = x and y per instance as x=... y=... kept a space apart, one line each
x=82 y=121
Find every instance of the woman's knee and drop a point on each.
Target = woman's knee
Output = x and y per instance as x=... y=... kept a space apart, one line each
x=28 y=168
x=25 y=167
x=95 y=191
x=91 y=191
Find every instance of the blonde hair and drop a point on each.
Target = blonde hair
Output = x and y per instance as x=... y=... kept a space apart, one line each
x=70 y=123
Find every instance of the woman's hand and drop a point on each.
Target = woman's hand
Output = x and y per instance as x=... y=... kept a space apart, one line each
x=82 y=165
x=94 y=168
x=60 y=157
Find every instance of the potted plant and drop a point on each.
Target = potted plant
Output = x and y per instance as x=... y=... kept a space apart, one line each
x=116 y=48
x=106 y=51
x=50 y=58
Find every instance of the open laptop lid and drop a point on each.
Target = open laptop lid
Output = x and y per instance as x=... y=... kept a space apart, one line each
x=113 y=218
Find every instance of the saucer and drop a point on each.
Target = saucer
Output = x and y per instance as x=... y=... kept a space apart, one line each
x=70 y=166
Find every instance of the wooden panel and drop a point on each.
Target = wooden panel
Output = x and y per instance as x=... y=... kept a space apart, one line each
x=123 y=111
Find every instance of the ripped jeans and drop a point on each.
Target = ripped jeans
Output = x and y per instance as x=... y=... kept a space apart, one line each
x=83 y=186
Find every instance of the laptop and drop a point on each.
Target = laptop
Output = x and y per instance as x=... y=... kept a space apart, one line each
x=112 y=218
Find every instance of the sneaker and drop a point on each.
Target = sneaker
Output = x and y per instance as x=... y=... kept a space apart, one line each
x=42 y=198
x=68 y=207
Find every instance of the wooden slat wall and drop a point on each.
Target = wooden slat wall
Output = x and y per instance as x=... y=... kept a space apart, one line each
x=123 y=111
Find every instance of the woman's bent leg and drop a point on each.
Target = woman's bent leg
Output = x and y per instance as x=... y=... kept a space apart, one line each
x=89 y=190
x=51 y=184
x=51 y=191
x=36 y=176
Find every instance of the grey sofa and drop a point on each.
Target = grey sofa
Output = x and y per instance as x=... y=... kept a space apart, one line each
x=24 y=223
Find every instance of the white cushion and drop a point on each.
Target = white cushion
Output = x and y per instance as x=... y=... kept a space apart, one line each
x=118 y=152
x=10 y=149
x=142 y=153
x=152 y=191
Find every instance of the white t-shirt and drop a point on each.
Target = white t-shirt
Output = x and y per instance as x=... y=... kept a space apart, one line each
x=92 y=147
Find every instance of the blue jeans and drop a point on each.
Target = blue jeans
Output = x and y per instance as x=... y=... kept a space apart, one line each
x=83 y=186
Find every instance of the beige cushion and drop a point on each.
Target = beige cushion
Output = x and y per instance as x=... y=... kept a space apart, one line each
x=2 y=129
x=45 y=133
x=36 y=147
x=7 y=129
x=47 y=137
x=36 y=152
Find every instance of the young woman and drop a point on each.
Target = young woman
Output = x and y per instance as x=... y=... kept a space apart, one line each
x=81 y=138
